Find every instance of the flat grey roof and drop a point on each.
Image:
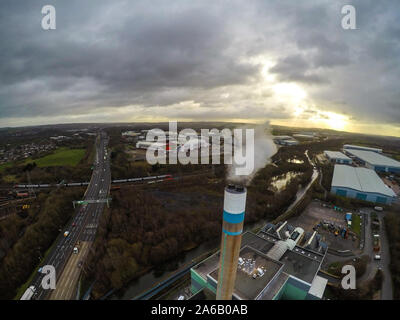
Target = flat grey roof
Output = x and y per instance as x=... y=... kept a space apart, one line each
x=336 y=155
x=361 y=147
x=374 y=158
x=301 y=263
x=359 y=179
x=246 y=287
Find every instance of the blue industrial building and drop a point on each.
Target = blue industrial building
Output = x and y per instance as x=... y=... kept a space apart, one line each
x=360 y=183
x=337 y=157
x=375 y=161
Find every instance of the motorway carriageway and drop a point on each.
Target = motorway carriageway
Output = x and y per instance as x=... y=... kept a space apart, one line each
x=64 y=245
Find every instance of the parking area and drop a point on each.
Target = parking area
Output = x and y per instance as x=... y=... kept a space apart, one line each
x=330 y=224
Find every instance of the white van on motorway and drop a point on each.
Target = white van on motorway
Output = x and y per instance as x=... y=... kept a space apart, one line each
x=377 y=257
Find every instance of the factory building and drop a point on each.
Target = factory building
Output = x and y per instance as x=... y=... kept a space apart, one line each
x=305 y=135
x=271 y=265
x=375 y=161
x=285 y=140
x=353 y=147
x=360 y=183
x=337 y=157
x=151 y=145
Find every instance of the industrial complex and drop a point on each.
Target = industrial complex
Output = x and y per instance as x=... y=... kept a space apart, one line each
x=353 y=147
x=337 y=157
x=360 y=183
x=269 y=265
x=374 y=160
x=285 y=140
x=292 y=275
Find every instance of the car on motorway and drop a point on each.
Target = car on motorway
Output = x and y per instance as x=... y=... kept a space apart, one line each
x=76 y=250
x=377 y=257
x=73 y=224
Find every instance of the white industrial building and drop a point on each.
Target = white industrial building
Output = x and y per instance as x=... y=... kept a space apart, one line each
x=285 y=140
x=130 y=134
x=353 y=147
x=360 y=183
x=150 y=145
x=375 y=161
x=337 y=157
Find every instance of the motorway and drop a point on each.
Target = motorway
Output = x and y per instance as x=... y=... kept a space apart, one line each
x=82 y=227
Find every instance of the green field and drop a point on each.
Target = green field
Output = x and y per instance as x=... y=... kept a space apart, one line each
x=61 y=157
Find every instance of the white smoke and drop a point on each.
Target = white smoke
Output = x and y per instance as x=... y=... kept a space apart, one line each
x=264 y=149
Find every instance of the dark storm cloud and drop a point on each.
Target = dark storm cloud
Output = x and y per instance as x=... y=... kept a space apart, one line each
x=117 y=53
x=296 y=68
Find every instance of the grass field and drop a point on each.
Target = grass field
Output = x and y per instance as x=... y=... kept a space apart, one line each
x=61 y=157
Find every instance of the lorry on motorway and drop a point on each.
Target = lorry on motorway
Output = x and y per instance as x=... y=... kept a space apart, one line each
x=28 y=294
x=66 y=233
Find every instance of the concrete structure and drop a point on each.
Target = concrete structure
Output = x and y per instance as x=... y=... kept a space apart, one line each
x=337 y=157
x=232 y=227
x=266 y=273
x=360 y=183
x=353 y=147
x=375 y=161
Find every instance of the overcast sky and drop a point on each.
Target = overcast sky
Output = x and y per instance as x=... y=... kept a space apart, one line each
x=289 y=62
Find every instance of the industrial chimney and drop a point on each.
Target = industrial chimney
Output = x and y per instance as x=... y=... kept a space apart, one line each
x=232 y=227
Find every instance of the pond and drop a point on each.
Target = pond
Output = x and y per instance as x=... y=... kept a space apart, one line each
x=278 y=183
x=295 y=161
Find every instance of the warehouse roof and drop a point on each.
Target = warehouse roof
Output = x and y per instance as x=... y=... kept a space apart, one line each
x=360 y=179
x=336 y=155
x=352 y=146
x=246 y=287
x=374 y=158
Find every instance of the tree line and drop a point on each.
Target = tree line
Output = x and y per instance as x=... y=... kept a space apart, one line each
x=25 y=243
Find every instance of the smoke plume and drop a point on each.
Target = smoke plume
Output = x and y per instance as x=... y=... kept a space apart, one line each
x=264 y=149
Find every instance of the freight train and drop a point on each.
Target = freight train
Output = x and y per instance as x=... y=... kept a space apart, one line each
x=166 y=176
x=77 y=184
x=73 y=184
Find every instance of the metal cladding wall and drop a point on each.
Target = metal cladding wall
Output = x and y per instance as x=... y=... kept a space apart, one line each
x=366 y=196
x=232 y=227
